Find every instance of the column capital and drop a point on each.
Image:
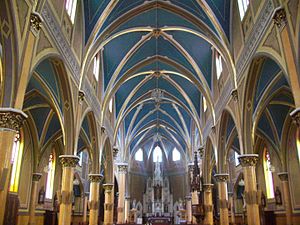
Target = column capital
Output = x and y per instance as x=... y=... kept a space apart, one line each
x=207 y=187
x=35 y=22
x=69 y=160
x=279 y=17
x=11 y=119
x=36 y=176
x=115 y=151
x=283 y=176
x=96 y=178
x=108 y=187
x=222 y=177
x=122 y=167
x=248 y=159
x=81 y=96
x=295 y=114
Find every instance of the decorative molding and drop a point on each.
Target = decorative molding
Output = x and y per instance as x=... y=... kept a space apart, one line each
x=248 y=159
x=95 y=178
x=36 y=177
x=265 y=18
x=283 y=176
x=35 y=23
x=234 y=94
x=81 y=96
x=295 y=114
x=279 y=18
x=122 y=167
x=69 y=160
x=63 y=45
x=221 y=177
x=11 y=119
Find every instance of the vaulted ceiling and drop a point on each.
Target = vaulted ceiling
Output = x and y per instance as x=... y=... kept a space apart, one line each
x=157 y=60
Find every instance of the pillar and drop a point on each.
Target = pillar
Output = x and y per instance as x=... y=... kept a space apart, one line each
x=189 y=209
x=85 y=204
x=95 y=180
x=231 y=203
x=280 y=21
x=35 y=180
x=122 y=170
x=208 y=204
x=68 y=162
x=286 y=197
x=108 y=204
x=127 y=208
x=248 y=162
x=11 y=121
x=223 y=197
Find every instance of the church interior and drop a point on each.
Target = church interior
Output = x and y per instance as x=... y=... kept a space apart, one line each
x=152 y=112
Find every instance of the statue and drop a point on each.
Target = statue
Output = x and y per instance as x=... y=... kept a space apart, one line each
x=278 y=199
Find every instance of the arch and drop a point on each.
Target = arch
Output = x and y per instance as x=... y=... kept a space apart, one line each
x=209 y=161
x=109 y=167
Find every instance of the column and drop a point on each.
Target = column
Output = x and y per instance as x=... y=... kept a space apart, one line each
x=188 y=200
x=11 y=121
x=280 y=21
x=68 y=162
x=95 y=180
x=108 y=204
x=223 y=195
x=248 y=162
x=208 y=204
x=85 y=204
x=286 y=197
x=35 y=180
x=122 y=170
x=127 y=208
x=231 y=202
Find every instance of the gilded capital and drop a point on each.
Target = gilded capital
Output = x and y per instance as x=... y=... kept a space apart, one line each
x=122 y=167
x=108 y=187
x=207 y=187
x=96 y=178
x=284 y=176
x=295 y=114
x=248 y=159
x=221 y=177
x=36 y=176
x=279 y=17
x=69 y=160
x=11 y=119
x=35 y=22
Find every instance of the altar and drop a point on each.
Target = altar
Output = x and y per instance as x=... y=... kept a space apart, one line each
x=159 y=220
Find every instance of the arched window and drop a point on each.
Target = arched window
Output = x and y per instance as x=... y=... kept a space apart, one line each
x=71 y=9
x=110 y=106
x=80 y=155
x=219 y=67
x=243 y=6
x=50 y=176
x=298 y=143
x=139 y=155
x=268 y=174
x=157 y=154
x=17 y=152
x=176 y=155
x=236 y=159
x=96 y=68
x=204 y=104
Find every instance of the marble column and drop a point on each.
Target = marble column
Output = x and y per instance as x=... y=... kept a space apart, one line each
x=34 y=187
x=188 y=200
x=248 y=162
x=208 y=204
x=69 y=163
x=95 y=180
x=109 y=204
x=231 y=203
x=127 y=208
x=223 y=198
x=286 y=197
x=122 y=170
x=11 y=121
x=280 y=20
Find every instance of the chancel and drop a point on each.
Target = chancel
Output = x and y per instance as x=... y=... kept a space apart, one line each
x=153 y=112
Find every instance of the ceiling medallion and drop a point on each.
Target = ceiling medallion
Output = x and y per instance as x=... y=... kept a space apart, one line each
x=156 y=32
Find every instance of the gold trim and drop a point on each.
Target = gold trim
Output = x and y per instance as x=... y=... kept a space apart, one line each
x=69 y=160
x=248 y=159
x=11 y=119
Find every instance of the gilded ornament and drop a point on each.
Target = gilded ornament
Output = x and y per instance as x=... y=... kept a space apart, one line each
x=35 y=22
x=11 y=119
x=96 y=178
x=36 y=176
x=81 y=96
x=234 y=94
x=69 y=160
x=222 y=177
x=279 y=18
x=248 y=159
x=207 y=187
